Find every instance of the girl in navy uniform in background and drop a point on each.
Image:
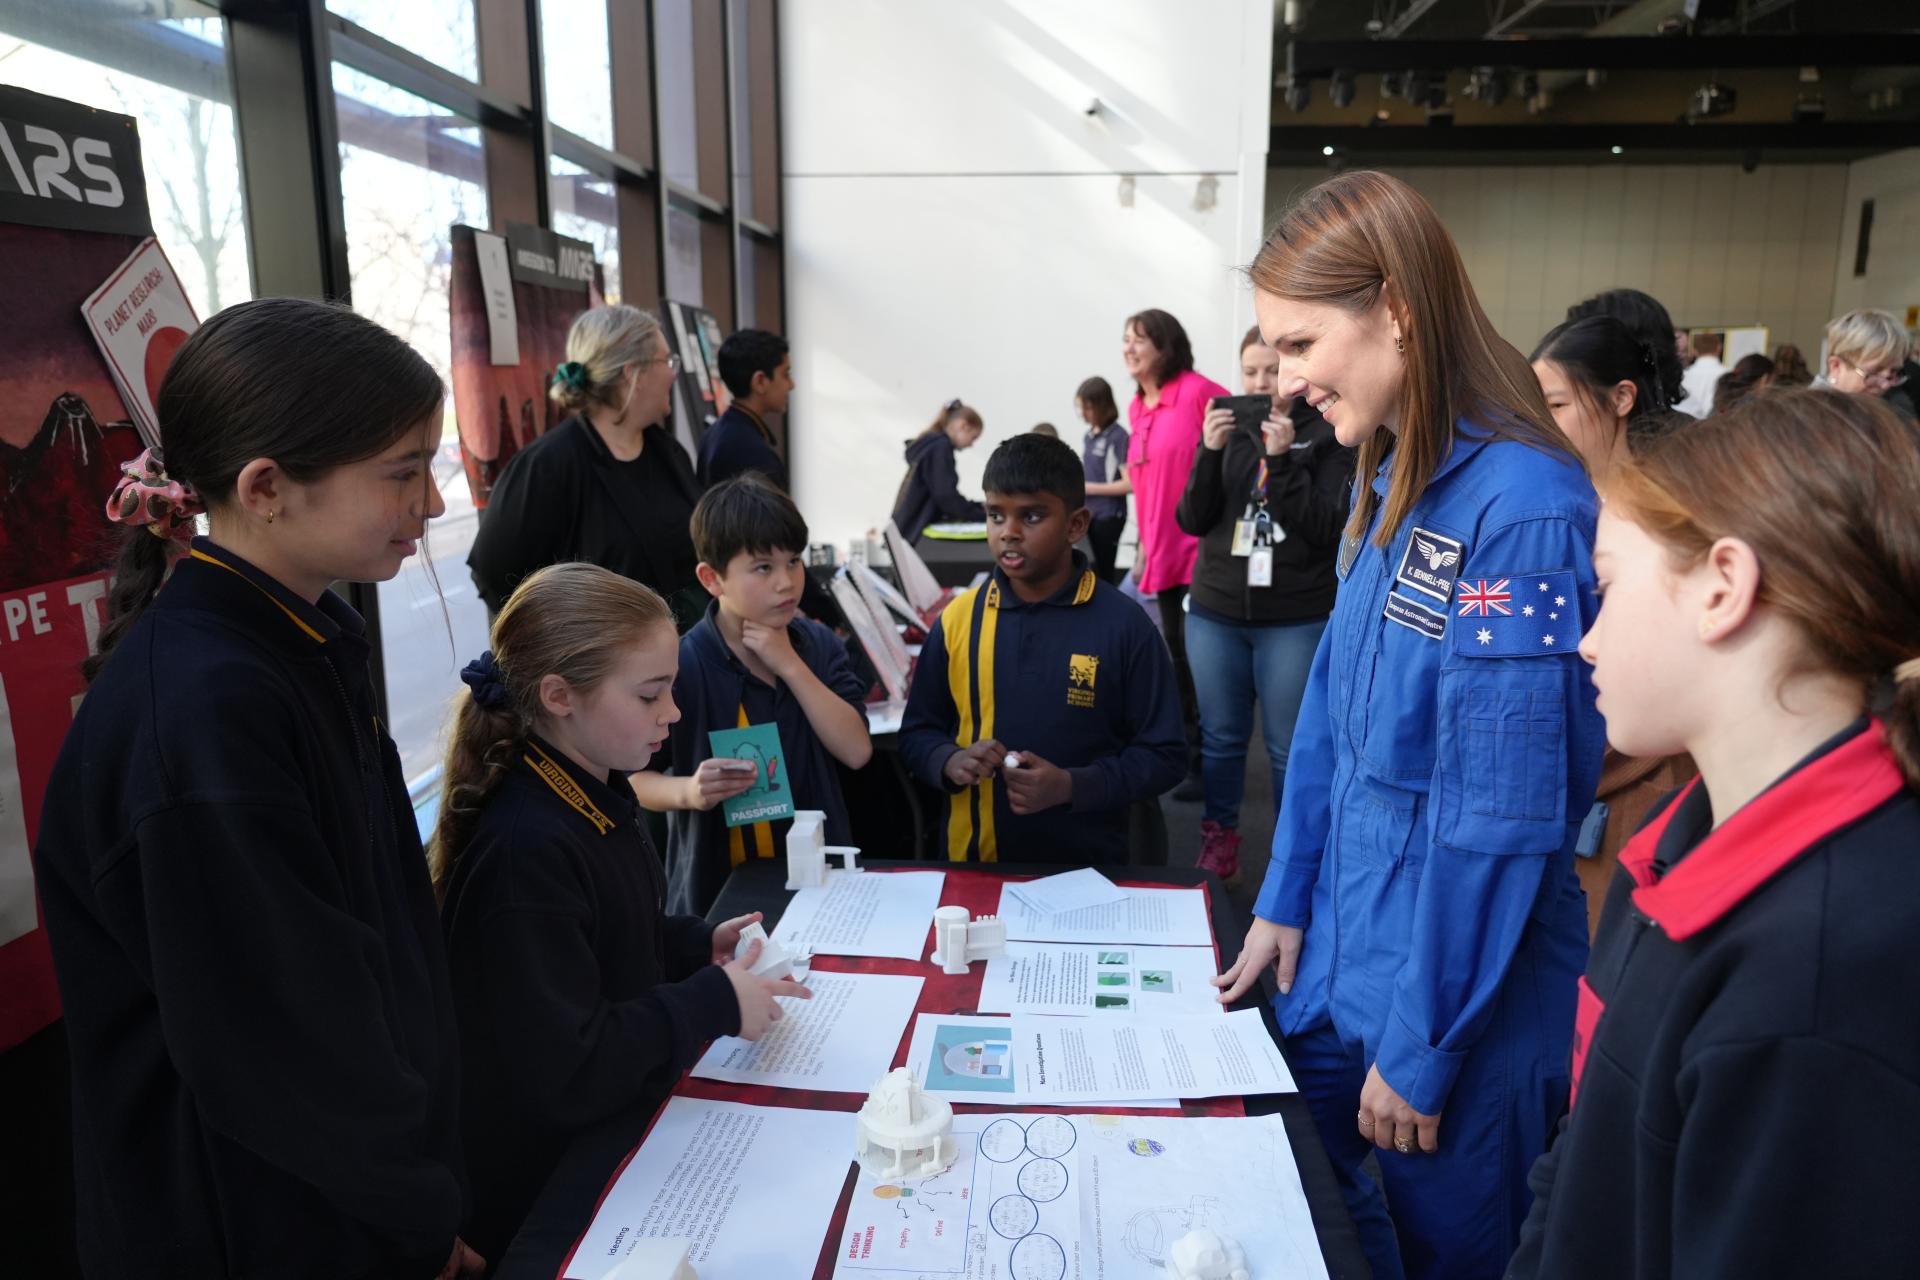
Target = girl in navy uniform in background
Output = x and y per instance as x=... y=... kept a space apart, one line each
x=265 y=1066
x=1746 y=1053
x=579 y=997
x=1420 y=911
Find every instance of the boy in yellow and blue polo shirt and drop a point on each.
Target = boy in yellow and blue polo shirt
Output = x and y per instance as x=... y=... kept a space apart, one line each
x=1043 y=702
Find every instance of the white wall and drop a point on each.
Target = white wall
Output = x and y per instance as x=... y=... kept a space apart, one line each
x=955 y=225
x=1719 y=247
x=1892 y=282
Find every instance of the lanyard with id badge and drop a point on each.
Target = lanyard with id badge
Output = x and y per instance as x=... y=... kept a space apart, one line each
x=1255 y=533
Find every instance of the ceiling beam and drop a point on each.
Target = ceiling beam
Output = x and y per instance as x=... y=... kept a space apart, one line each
x=1304 y=139
x=1316 y=59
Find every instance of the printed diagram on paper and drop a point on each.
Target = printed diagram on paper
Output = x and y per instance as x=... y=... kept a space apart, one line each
x=1049 y=1197
x=1008 y=1209
x=1148 y=1180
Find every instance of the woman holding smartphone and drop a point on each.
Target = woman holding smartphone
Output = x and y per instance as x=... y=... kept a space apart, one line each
x=1267 y=497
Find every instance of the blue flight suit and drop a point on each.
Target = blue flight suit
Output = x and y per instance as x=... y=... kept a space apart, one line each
x=1447 y=750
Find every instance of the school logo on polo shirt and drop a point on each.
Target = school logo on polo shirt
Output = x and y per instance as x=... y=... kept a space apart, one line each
x=1430 y=564
x=1081 y=669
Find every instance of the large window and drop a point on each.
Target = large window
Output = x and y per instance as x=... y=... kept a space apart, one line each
x=584 y=207
x=578 y=62
x=441 y=31
x=679 y=139
x=409 y=170
x=171 y=75
x=432 y=104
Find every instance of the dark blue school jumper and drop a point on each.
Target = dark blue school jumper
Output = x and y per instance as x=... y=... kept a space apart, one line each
x=738 y=442
x=714 y=690
x=265 y=1065
x=1083 y=679
x=579 y=997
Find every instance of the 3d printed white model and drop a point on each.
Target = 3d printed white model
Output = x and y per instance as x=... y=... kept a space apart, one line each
x=901 y=1132
x=849 y=856
x=958 y=941
x=1011 y=760
x=807 y=849
x=774 y=962
x=655 y=1258
x=1207 y=1255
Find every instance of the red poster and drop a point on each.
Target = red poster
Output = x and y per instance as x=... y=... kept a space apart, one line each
x=63 y=435
x=500 y=409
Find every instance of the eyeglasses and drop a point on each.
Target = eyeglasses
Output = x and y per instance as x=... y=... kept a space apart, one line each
x=1882 y=379
x=672 y=359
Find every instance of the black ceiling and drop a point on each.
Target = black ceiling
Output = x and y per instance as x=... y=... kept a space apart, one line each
x=1475 y=19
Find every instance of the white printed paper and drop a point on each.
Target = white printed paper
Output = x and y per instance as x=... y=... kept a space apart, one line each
x=1043 y=1197
x=1163 y=917
x=1117 y=981
x=752 y=1187
x=1068 y=891
x=843 y=1039
x=864 y=913
x=19 y=912
x=139 y=318
x=922 y=589
x=1027 y=1060
x=496 y=286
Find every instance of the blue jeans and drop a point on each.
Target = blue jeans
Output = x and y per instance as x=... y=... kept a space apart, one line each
x=1231 y=667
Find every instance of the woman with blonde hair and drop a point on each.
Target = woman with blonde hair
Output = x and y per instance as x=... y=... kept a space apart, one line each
x=1420 y=914
x=609 y=485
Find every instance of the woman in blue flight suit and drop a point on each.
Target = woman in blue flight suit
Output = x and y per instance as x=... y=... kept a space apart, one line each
x=1421 y=912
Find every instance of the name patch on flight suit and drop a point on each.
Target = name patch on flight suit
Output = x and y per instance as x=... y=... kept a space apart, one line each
x=1429 y=564
x=1415 y=616
x=1081 y=668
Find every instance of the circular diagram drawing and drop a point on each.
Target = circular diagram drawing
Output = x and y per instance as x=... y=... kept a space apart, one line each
x=1003 y=1140
x=1050 y=1136
x=1043 y=1180
x=1038 y=1257
x=1145 y=1147
x=1013 y=1216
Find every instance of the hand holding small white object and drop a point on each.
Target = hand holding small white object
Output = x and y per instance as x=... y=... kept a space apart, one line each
x=1012 y=761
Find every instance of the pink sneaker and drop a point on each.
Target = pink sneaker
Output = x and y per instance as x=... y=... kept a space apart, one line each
x=1219 y=851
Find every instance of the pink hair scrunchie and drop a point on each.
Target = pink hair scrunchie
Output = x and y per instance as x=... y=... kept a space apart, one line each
x=147 y=497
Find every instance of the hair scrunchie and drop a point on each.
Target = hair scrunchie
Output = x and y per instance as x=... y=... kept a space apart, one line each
x=488 y=682
x=571 y=374
x=147 y=497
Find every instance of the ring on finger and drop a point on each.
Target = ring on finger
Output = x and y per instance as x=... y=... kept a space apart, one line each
x=1366 y=1121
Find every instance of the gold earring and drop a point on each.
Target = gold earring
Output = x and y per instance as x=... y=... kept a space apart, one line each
x=1400 y=346
x=271 y=514
x=1706 y=625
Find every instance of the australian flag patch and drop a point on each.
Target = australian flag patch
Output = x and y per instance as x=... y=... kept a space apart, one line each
x=1518 y=617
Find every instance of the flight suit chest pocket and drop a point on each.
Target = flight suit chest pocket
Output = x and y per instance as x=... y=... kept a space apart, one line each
x=1503 y=761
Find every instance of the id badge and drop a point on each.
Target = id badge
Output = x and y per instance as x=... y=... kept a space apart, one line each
x=1260 y=566
x=1243 y=537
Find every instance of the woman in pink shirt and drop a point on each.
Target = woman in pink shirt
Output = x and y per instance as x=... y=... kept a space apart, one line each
x=1164 y=419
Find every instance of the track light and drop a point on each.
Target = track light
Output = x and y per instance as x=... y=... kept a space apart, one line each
x=1297 y=95
x=1340 y=89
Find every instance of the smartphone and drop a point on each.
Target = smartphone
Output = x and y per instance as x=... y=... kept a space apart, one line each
x=1248 y=412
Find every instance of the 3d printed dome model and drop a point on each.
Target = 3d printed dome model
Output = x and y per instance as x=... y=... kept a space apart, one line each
x=902 y=1131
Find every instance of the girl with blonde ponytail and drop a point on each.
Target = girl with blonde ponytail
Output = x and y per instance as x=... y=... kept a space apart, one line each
x=1746 y=1026
x=578 y=996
